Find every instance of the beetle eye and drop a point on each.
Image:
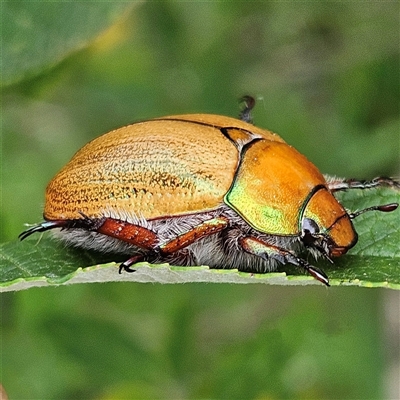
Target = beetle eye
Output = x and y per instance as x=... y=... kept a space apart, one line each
x=310 y=226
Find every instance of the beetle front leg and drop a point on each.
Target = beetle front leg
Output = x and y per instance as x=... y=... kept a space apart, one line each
x=267 y=251
x=336 y=185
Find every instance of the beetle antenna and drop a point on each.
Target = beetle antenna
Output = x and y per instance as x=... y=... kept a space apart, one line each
x=248 y=104
x=384 y=208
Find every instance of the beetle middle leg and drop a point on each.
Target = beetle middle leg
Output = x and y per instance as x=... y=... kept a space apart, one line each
x=267 y=251
x=204 y=229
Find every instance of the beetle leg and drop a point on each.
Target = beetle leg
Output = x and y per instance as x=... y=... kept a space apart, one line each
x=90 y=224
x=266 y=251
x=147 y=239
x=128 y=232
x=42 y=227
x=126 y=265
x=200 y=231
x=344 y=184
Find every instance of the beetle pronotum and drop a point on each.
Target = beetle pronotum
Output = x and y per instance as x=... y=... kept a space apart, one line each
x=201 y=189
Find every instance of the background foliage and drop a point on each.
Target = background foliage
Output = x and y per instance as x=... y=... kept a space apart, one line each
x=328 y=75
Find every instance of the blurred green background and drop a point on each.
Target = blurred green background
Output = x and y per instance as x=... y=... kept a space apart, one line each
x=326 y=76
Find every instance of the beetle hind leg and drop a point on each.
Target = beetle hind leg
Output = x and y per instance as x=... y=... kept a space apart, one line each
x=87 y=223
x=267 y=251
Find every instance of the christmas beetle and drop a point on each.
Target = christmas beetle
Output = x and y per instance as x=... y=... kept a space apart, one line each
x=201 y=189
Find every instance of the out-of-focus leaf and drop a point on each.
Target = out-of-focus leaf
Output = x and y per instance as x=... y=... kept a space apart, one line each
x=38 y=35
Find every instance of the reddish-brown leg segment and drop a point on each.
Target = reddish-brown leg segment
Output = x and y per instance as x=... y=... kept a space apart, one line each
x=131 y=233
x=200 y=231
x=148 y=240
x=266 y=251
x=134 y=234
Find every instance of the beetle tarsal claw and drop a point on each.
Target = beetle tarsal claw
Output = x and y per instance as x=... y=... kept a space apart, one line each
x=126 y=265
x=266 y=251
x=126 y=268
x=42 y=227
x=318 y=274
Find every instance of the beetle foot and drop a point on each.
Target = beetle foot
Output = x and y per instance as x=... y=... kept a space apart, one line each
x=317 y=273
x=42 y=227
x=267 y=251
x=126 y=265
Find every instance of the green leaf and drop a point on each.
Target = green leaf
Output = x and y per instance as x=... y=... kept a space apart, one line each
x=373 y=262
x=39 y=35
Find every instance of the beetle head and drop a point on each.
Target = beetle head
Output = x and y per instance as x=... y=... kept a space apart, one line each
x=325 y=224
x=327 y=227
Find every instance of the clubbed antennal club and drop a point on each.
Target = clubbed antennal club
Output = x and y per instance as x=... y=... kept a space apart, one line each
x=384 y=208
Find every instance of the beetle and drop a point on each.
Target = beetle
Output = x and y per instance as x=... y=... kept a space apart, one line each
x=202 y=189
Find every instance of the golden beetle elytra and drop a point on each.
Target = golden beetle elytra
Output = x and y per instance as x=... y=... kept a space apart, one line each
x=201 y=189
